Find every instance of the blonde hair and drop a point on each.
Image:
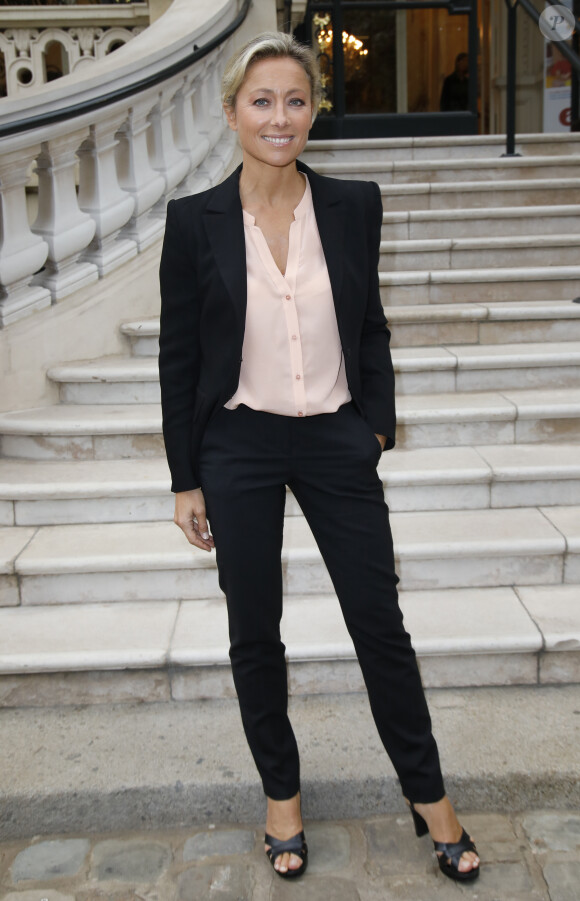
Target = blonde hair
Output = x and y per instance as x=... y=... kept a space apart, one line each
x=267 y=45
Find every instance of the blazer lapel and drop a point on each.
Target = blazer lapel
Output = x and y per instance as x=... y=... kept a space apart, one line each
x=224 y=225
x=329 y=210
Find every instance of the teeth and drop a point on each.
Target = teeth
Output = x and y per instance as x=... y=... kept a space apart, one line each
x=279 y=141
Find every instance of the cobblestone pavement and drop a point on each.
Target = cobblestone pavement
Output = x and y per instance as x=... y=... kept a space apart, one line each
x=532 y=855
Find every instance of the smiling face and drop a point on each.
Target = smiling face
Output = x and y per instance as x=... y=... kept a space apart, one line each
x=273 y=111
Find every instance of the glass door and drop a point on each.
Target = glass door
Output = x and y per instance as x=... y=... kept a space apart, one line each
x=398 y=68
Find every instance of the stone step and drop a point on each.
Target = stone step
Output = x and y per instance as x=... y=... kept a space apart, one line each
x=457 y=169
x=112 y=432
x=466 y=253
x=472 y=223
x=434 y=324
x=491 y=285
x=151 y=561
x=510 y=417
x=145 y=652
x=434 y=148
x=142 y=336
x=104 y=768
x=466 y=368
x=88 y=432
x=484 y=323
x=480 y=194
x=97 y=491
x=419 y=370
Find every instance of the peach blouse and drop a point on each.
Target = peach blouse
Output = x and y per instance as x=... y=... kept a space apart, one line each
x=292 y=361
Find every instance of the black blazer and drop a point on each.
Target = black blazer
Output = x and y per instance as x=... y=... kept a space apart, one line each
x=203 y=308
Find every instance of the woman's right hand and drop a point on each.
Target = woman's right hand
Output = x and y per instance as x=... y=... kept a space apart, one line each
x=191 y=519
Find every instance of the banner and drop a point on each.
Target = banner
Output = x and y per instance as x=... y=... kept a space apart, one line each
x=557 y=85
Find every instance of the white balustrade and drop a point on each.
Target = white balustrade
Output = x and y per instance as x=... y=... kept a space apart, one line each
x=60 y=222
x=85 y=34
x=137 y=176
x=104 y=176
x=101 y=196
x=165 y=157
x=189 y=137
x=21 y=252
x=212 y=128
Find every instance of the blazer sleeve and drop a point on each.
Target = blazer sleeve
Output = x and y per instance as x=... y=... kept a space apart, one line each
x=376 y=366
x=178 y=351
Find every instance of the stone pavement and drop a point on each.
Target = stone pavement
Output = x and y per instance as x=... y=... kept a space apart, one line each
x=531 y=855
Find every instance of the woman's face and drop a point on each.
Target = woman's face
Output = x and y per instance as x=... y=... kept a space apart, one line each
x=273 y=112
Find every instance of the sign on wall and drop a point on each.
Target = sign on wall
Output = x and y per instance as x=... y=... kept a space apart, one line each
x=557 y=24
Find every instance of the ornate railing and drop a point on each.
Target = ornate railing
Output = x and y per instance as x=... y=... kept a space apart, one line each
x=42 y=44
x=106 y=149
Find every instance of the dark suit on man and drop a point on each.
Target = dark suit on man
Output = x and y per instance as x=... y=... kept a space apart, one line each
x=243 y=459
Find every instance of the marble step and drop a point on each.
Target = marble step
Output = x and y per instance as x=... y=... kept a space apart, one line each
x=152 y=561
x=433 y=324
x=106 y=653
x=480 y=194
x=484 y=223
x=432 y=148
x=482 y=285
x=466 y=253
x=111 y=432
x=483 y=323
x=419 y=370
x=466 y=368
x=457 y=169
x=510 y=417
x=34 y=493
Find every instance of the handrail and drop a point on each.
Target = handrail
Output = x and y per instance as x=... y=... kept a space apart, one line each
x=87 y=106
x=569 y=54
x=106 y=151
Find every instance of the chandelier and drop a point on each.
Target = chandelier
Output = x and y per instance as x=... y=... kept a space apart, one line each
x=352 y=45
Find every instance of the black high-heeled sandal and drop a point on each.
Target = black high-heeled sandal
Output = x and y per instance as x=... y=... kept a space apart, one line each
x=295 y=845
x=448 y=853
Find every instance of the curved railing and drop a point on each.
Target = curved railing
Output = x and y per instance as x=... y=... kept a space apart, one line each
x=105 y=149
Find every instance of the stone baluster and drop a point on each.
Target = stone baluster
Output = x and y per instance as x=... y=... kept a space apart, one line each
x=65 y=228
x=189 y=136
x=136 y=175
x=213 y=97
x=212 y=125
x=165 y=157
x=101 y=196
x=224 y=145
x=21 y=252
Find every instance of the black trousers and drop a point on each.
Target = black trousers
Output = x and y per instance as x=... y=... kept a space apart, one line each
x=329 y=462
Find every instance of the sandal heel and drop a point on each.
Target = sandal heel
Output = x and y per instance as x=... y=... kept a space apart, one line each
x=421 y=827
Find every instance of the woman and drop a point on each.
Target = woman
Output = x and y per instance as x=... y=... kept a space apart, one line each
x=275 y=370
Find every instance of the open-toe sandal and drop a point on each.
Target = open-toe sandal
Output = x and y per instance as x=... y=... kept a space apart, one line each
x=449 y=853
x=295 y=845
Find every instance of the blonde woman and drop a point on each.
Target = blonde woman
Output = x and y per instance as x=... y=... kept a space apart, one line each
x=275 y=371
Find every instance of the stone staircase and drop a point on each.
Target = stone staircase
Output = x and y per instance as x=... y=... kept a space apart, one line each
x=102 y=599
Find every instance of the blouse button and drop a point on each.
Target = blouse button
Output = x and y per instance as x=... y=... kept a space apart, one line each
x=300 y=413
x=288 y=297
x=294 y=338
x=297 y=376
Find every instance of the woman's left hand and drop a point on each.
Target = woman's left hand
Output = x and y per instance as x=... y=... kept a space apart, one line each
x=382 y=439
